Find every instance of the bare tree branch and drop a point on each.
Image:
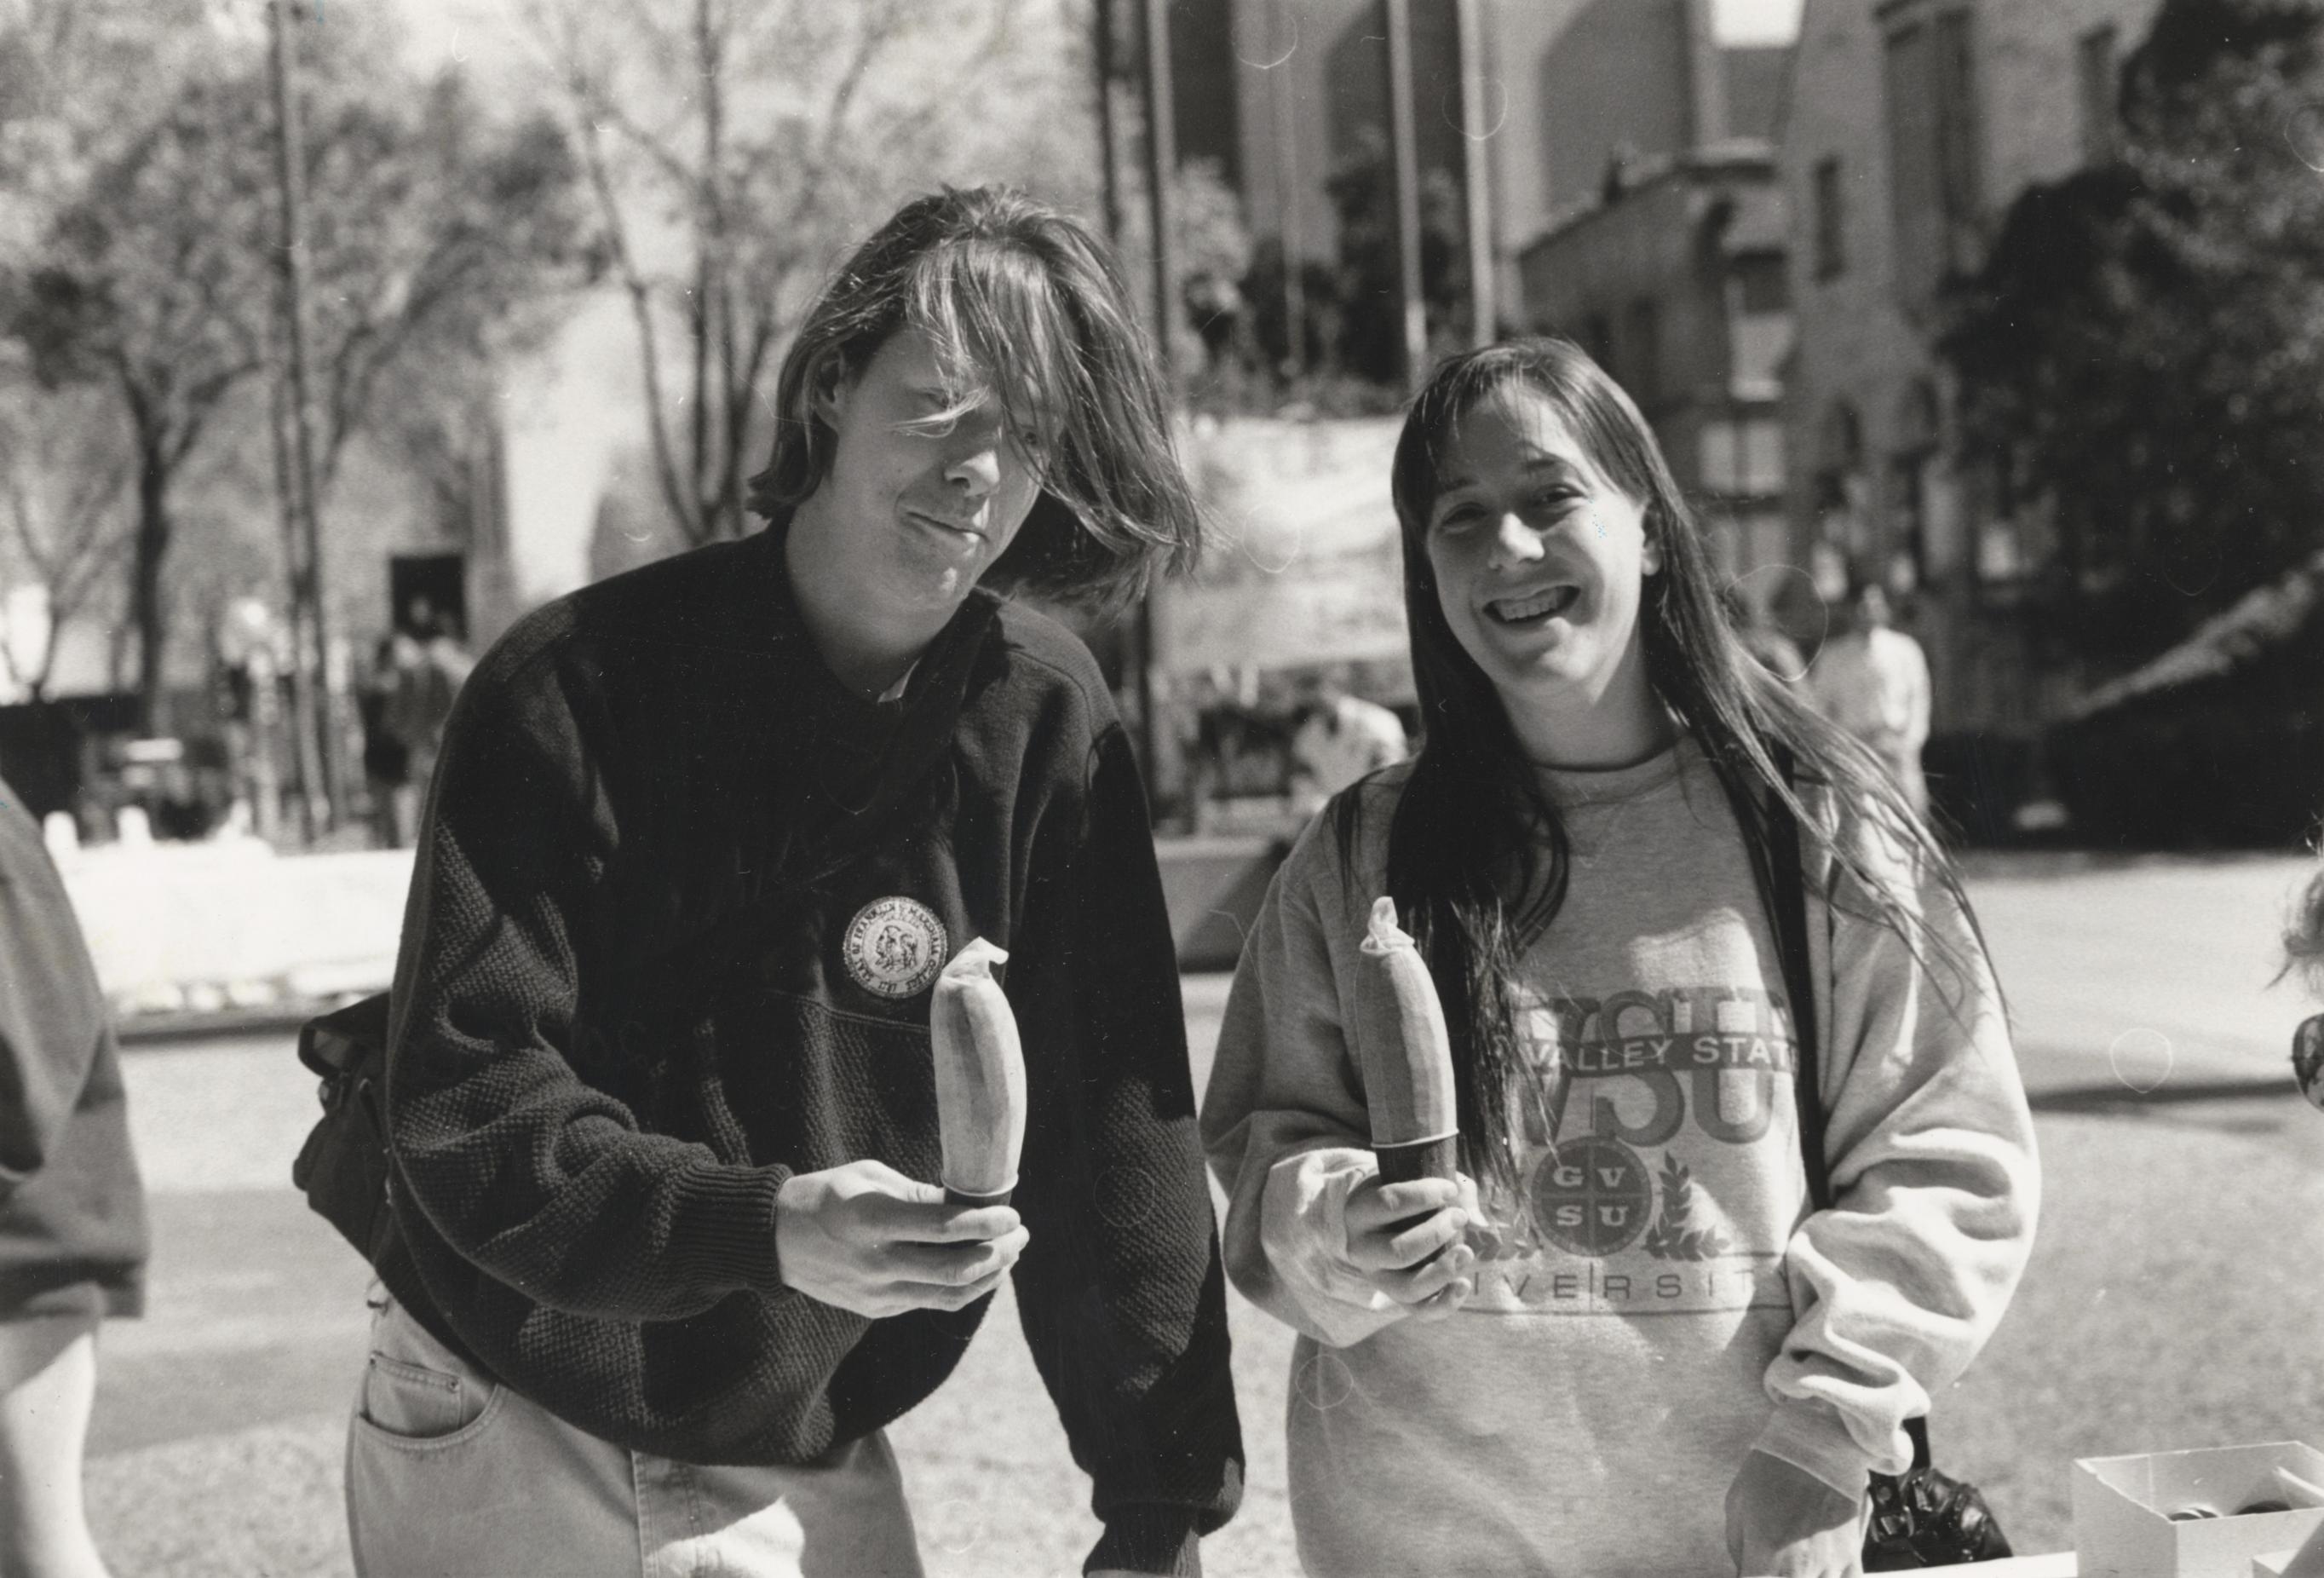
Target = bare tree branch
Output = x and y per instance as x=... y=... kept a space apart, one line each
x=640 y=295
x=754 y=140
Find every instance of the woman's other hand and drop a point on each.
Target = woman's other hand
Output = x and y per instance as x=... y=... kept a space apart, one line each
x=1405 y=1239
x=1783 y=1522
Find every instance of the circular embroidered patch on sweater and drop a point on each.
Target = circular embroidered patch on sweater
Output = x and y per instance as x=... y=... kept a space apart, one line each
x=894 y=946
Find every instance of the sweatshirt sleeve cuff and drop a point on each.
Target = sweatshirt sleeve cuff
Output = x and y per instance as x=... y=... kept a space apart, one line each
x=1147 y=1537
x=1811 y=1437
x=722 y=1228
x=1304 y=1229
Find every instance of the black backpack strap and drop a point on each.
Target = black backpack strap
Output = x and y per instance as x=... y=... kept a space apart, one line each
x=342 y=1168
x=1783 y=891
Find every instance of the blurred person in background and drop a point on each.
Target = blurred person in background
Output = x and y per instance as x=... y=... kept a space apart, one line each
x=2303 y=951
x=72 y=1212
x=1341 y=738
x=1777 y=652
x=386 y=759
x=1872 y=679
x=431 y=665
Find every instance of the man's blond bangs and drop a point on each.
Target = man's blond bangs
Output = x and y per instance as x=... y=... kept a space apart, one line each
x=1001 y=328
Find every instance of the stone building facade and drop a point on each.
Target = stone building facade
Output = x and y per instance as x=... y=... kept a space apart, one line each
x=1675 y=280
x=1909 y=128
x=1566 y=84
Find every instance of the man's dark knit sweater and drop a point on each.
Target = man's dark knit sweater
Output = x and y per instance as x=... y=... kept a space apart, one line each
x=626 y=1015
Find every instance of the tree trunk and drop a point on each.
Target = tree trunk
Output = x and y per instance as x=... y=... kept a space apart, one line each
x=148 y=607
x=39 y=683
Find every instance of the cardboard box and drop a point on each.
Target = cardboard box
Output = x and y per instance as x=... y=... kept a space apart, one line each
x=2307 y=1561
x=2123 y=1526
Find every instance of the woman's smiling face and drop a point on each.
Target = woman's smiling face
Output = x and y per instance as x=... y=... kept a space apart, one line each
x=1540 y=562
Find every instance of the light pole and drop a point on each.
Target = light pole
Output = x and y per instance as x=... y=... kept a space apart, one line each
x=1109 y=145
x=1484 y=318
x=1281 y=110
x=1403 y=144
x=1161 y=165
x=319 y=727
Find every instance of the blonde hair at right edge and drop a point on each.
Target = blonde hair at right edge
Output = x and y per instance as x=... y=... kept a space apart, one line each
x=2303 y=936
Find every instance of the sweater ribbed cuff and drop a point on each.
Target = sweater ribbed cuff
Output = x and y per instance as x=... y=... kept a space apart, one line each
x=1148 y=1537
x=723 y=1235
x=1811 y=1436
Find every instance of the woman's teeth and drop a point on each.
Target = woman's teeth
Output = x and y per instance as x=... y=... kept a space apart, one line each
x=1540 y=605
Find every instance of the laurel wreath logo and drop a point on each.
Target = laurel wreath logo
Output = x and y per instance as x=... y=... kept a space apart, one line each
x=1674 y=1236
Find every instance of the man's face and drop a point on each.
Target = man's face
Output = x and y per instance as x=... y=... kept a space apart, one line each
x=913 y=511
x=1872 y=609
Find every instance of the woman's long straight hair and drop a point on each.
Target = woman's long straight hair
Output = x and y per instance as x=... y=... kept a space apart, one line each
x=1477 y=852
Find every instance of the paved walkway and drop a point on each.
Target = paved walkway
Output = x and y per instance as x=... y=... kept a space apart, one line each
x=2182 y=1232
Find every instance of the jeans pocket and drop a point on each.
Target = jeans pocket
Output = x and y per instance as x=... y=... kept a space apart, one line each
x=418 y=1391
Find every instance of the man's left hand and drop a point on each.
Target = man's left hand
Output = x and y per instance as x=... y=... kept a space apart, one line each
x=1783 y=1522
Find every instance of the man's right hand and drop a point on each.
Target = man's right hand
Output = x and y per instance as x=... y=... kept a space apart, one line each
x=865 y=1238
x=1392 y=1229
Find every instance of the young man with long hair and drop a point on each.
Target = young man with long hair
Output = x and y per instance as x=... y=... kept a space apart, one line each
x=670 y=1250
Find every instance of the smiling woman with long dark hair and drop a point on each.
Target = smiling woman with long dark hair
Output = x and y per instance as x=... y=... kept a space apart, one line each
x=1623 y=1341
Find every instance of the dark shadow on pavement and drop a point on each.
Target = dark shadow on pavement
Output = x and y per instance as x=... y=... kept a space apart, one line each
x=2116 y=1099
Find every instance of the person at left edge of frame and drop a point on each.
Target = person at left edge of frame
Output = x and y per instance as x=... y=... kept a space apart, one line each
x=72 y=1209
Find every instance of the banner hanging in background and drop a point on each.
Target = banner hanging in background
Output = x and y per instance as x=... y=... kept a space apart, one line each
x=1304 y=567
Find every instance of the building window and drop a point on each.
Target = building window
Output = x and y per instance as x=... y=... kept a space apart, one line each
x=2094 y=76
x=2000 y=539
x=1917 y=502
x=1831 y=221
x=1933 y=156
x=1841 y=492
x=1597 y=340
x=1761 y=283
x=1762 y=457
x=1956 y=130
x=1744 y=458
x=1642 y=352
x=1719 y=467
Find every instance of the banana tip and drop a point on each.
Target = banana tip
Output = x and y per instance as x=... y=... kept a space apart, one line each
x=978 y=958
x=1383 y=933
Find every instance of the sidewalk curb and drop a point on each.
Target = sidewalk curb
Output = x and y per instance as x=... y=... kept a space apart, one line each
x=274 y=1019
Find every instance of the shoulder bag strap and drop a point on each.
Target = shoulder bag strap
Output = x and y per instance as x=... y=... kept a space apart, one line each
x=1786 y=890
x=1788 y=905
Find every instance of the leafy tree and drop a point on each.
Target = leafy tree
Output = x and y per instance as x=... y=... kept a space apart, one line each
x=736 y=148
x=154 y=286
x=64 y=516
x=438 y=238
x=1212 y=354
x=1369 y=287
x=2142 y=356
x=442 y=241
x=1213 y=255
